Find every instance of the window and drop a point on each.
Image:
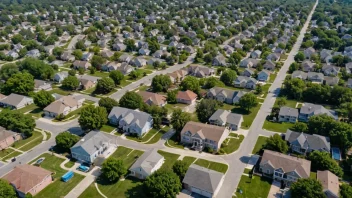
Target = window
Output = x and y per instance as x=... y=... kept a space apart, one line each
x=268 y=171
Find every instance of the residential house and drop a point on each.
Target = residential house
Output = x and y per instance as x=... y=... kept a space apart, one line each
x=219 y=60
x=131 y=121
x=60 y=76
x=200 y=71
x=248 y=72
x=263 y=75
x=67 y=56
x=200 y=135
x=110 y=66
x=125 y=58
x=16 y=101
x=349 y=83
x=348 y=67
x=299 y=74
x=34 y=53
x=303 y=143
x=269 y=65
x=309 y=52
x=245 y=82
x=315 y=77
x=13 y=54
x=308 y=66
x=81 y=64
x=107 y=54
x=87 y=81
x=147 y=164
x=153 y=61
x=139 y=62
x=330 y=183
x=225 y=95
x=249 y=62
x=227 y=119
x=177 y=76
x=273 y=57
x=256 y=54
x=7 y=138
x=203 y=181
x=186 y=97
x=87 y=56
x=285 y=168
x=288 y=114
x=331 y=80
x=330 y=70
x=308 y=110
x=28 y=179
x=119 y=47
x=92 y=145
x=63 y=106
x=143 y=51
x=159 y=53
x=151 y=98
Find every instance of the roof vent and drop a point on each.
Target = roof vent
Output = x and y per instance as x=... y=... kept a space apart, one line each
x=82 y=140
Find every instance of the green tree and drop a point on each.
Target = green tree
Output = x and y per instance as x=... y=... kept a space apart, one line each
x=117 y=76
x=43 y=99
x=206 y=108
x=130 y=45
x=93 y=117
x=300 y=127
x=112 y=169
x=276 y=143
x=323 y=161
x=7 y=70
x=211 y=82
x=179 y=119
x=131 y=100
x=105 y=85
x=162 y=183
x=66 y=140
x=17 y=121
x=97 y=62
x=299 y=57
x=161 y=83
x=70 y=83
x=180 y=168
x=248 y=101
x=80 y=45
x=108 y=103
x=20 y=83
x=190 y=83
x=78 y=54
x=37 y=68
x=6 y=190
x=281 y=101
x=307 y=188
x=58 y=51
x=171 y=96
x=346 y=191
x=228 y=77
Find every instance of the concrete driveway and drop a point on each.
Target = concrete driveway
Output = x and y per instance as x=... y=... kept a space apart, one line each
x=275 y=190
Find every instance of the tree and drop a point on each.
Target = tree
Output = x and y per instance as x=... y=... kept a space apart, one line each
x=228 y=77
x=293 y=67
x=248 y=101
x=179 y=119
x=171 y=97
x=281 y=101
x=346 y=191
x=307 y=188
x=162 y=183
x=97 y=62
x=6 y=190
x=323 y=161
x=80 y=45
x=17 y=121
x=105 y=85
x=206 y=108
x=161 y=83
x=20 y=83
x=70 y=83
x=276 y=143
x=299 y=57
x=180 y=168
x=43 y=99
x=300 y=127
x=190 y=83
x=7 y=70
x=78 y=54
x=66 y=140
x=258 y=89
x=131 y=100
x=37 y=68
x=93 y=117
x=58 y=51
x=108 y=103
x=117 y=76
x=112 y=169
x=130 y=45
x=211 y=82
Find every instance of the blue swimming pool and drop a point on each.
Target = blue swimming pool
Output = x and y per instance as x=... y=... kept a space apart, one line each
x=336 y=154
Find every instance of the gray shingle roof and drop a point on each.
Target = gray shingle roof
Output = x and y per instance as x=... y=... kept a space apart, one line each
x=147 y=161
x=92 y=141
x=130 y=116
x=307 y=141
x=309 y=108
x=288 y=111
x=226 y=116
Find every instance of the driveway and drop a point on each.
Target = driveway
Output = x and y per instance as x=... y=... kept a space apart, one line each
x=275 y=190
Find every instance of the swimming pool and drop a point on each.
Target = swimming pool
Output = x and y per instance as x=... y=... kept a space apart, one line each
x=336 y=154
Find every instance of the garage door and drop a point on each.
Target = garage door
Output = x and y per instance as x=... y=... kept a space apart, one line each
x=206 y=194
x=196 y=190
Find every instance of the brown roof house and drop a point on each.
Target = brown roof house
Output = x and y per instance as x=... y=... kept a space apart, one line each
x=63 y=106
x=177 y=76
x=87 y=82
x=330 y=183
x=284 y=167
x=16 y=101
x=28 y=179
x=200 y=135
x=151 y=98
x=186 y=97
x=7 y=138
x=81 y=64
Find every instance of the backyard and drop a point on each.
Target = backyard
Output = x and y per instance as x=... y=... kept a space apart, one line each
x=255 y=187
x=280 y=127
x=259 y=144
x=216 y=166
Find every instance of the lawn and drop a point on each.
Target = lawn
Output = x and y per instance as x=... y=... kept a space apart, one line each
x=127 y=155
x=212 y=165
x=90 y=192
x=272 y=77
x=247 y=117
x=60 y=91
x=5 y=152
x=289 y=103
x=173 y=142
x=232 y=144
x=32 y=144
x=145 y=137
x=13 y=154
x=107 y=128
x=258 y=146
x=124 y=83
x=256 y=187
x=313 y=175
x=35 y=138
x=189 y=160
x=246 y=171
x=28 y=108
x=277 y=126
x=48 y=135
x=58 y=188
x=170 y=159
x=158 y=136
x=99 y=74
x=69 y=164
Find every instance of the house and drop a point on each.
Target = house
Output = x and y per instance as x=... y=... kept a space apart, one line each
x=330 y=70
x=308 y=66
x=186 y=97
x=248 y=72
x=349 y=83
x=63 y=106
x=245 y=82
x=331 y=80
x=119 y=47
x=60 y=76
x=67 y=56
x=139 y=62
x=219 y=60
x=308 y=52
x=263 y=75
x=200 y=71
x=299 y=74
x=273 y=57
x=81 y=64
x=308 y=110
x=41 y=85
x=111 y=66
x=348 y=67
x=16 y=101
x=227 y=119
x=249 y=62
x=269 y=65
x=189 y=49
x=107 y=54
x=315 y=77
x=330 y=183
x=288 y=114
x=203 y=181
x=92 y=145
x=87 y=56
x=34 y=53
x=13 y=54
x=87 y=81
x=28 y=179
x=225 y=95
x=283 y=167
x=200 y=135
x=256 y=54
x=7 y=138
x=147 y=164
x=151 y=98
x=125 y=58
x=131 y=121
x=159 y=53
x=144 y=51
x=305 y=143
x=177 y=76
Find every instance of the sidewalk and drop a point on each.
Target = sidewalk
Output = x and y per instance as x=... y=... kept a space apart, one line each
x=82 y=186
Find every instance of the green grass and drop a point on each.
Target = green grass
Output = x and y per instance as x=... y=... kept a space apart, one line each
x=124 y=83
x=277 y=126
x=313 y=175
x=58 y=188
x=248 y=117
x=158 y=136
x=90 y=192
x=20 y=143
x=189 y=160
x=222 y=168
x=232 y=144
x=173 y=142
x=60 y=91
x=283 y=57
x=99 y=74
x=127 y=155
x=48 y=135
x=258 y=187
x=246 y=170
x=32 y=144
x=170 y=159
x=5 y=152
x=272 y=77
x=145 y=137
x=107 y=128
x=69 y=164
x=289 y=103
x=13 y=154
x=27 y=108
x=259 y=144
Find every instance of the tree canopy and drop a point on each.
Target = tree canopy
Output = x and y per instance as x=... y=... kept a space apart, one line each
x=105 y=85
x=93 y=117
x=276 y=143
x=323 y=161
x=20 y=83
x=112 y=169
x=248 y=101
x=206 y=108
x=65 y=140
x=6 y=190
x=161 y=83
x=108 y=103
x=131 y=100
x=43 y=99
x=307 y=188
x=179 y=119
x=17 y=121
x=162 y=183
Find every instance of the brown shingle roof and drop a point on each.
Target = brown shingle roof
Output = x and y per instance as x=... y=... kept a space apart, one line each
x=157 y=99
x=329 y=181
x=207 y=131
x=58 y=106
x=6 y=133
x=186 y=95
x=24 y=177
